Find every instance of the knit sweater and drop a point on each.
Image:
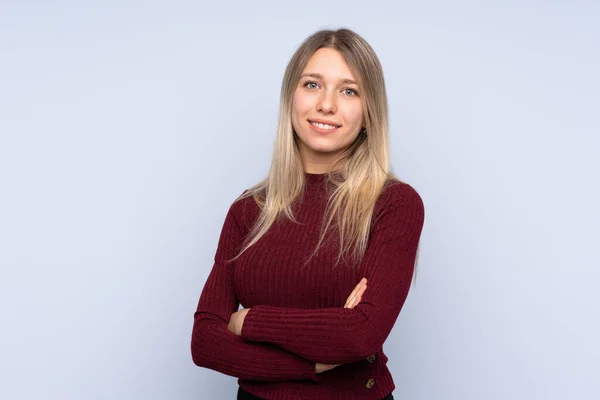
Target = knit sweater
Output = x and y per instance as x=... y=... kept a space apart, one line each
x=297 y=316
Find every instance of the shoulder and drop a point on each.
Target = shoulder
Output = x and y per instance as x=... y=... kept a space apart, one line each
x=398 y=217
x=244 y=209
x=399 y=203
x=396 y=194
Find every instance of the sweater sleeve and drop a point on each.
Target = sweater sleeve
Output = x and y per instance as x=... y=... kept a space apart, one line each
x=213 y=346
x=342 y=335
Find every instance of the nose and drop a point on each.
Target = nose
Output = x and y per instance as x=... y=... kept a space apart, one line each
x=327 y=102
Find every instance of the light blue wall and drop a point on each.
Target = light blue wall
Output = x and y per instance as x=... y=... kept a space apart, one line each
x=127 y=128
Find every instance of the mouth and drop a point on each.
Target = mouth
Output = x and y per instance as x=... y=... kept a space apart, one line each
x=323 y=128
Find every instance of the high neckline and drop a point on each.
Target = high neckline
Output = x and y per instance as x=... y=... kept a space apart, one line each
x=312 y=177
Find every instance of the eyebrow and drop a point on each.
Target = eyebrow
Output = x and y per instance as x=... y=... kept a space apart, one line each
x=319 y=76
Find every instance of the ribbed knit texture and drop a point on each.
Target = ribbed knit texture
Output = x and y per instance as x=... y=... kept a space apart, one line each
x=297 y=316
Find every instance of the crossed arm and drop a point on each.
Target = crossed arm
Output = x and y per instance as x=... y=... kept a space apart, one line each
x=297 y=338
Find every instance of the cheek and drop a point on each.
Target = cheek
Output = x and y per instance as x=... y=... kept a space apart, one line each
x=301 y=103
x=298 y=111
x=355 y=114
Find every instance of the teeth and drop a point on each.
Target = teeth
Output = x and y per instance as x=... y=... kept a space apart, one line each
x=323 y=126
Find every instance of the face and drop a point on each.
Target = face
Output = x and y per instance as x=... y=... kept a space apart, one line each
x=327 y=112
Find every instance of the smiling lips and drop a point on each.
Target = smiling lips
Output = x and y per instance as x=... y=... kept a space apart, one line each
x=323 y=127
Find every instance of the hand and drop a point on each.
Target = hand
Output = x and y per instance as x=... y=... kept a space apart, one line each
x=236 y=321
x=324 y=367
x=356 y=295
x=354 y=298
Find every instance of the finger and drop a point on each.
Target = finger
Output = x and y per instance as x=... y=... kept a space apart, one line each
x=362 y=290
x=351 y=302
x=350 y=299
x=354 y=291
x=357 y=299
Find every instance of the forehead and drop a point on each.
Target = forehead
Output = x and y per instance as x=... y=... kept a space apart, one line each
x=330 y=63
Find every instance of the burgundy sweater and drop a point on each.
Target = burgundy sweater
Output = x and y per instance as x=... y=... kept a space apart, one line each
x=297 y=316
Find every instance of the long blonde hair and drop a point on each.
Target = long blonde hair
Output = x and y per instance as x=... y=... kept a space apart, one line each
x=360 y=172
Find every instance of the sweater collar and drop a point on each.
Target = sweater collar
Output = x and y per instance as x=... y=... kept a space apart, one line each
x=314 y=178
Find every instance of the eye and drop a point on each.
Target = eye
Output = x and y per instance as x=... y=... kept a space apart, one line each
x=354 y=93
x=309 y=83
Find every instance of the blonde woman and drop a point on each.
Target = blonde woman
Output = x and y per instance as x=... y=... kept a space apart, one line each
x=321 y=253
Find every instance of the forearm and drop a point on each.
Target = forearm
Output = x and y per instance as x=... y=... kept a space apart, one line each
x=328 y=335
x=213 y=346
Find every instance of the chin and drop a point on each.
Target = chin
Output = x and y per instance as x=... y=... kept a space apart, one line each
x=323 y=149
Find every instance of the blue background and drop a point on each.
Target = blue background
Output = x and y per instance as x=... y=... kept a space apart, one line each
x=128 y=127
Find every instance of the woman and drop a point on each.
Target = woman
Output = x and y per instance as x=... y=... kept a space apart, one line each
x=299 y=249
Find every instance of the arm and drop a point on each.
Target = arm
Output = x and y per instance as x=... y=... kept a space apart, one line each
x=343 y=335
x=213 y=346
